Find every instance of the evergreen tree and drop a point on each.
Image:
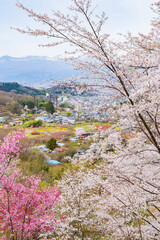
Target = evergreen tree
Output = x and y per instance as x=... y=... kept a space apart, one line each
x=51 y=144
x=49 y=107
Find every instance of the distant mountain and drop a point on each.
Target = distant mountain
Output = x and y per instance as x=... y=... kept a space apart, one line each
x=34 y=71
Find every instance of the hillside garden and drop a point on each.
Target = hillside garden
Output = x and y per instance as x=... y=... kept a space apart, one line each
x=112 y=190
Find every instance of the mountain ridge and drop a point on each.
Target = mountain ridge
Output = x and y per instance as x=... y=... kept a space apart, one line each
x=34 y=71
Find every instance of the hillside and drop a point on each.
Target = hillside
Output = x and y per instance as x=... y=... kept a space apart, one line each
x=14 y=87
x=7 y=99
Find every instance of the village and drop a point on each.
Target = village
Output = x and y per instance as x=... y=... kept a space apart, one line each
x=69 y=120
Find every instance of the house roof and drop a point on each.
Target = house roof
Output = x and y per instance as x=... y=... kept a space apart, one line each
x=58 y=149
x=54 y=162
x=80 y=150
x=64 y=148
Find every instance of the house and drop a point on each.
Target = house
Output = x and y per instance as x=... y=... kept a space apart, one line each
x=65 y=121
x=81 y=150
x=74 y=139
x=43 y=118
x=85 y=134
x=26 y=107
x=64 y=148
x=58 y=150
x=72 y=121
x=38 y=118
x=2 y=119
x=58 y=119
x=23 y=115
x=15 y=122
x=60 y=144
x=82 y=137
x=42 y=148
x=8 y=118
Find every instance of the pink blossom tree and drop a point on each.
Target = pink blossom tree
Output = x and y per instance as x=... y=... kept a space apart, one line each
x=9 y=152
x=26 y=209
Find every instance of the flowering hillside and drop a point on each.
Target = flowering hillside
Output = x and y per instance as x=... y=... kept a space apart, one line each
x=109 y=189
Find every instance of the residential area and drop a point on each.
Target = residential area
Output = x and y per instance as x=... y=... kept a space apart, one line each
x=69 y=120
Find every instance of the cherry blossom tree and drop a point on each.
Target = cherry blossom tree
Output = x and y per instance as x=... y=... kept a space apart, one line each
x=79 y=131
x=127 y=168
x=117 y=182
x=26 y=209
x=133 y=73
x=82 y=206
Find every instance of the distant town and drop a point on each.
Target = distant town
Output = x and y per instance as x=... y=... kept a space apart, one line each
x=57 y=121
x=69 y=107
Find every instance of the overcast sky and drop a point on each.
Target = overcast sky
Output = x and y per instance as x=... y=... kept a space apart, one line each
x=124 y=15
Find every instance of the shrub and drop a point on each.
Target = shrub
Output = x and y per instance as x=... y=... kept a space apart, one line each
x=65 y=105
x=68 y=114
x=35 y=123
x=51 y=144
x=33 y=162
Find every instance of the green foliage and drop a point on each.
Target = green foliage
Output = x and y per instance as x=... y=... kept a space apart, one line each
x=108 y=238
x=71 y=151
x=14 y=107
x=54 y=173
x=7 y=87
x=19 y=89
x=58 y=91
x=35 y=123
x=32 y=162
x=68 y=114
x=68 y=152
x=49 y=107
x=42 y=100
x=41 y=104
x=29 y=103
x=65 y=105
x=51 y=144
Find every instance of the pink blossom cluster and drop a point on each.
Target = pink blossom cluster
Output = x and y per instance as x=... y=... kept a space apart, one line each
x=26 y=209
